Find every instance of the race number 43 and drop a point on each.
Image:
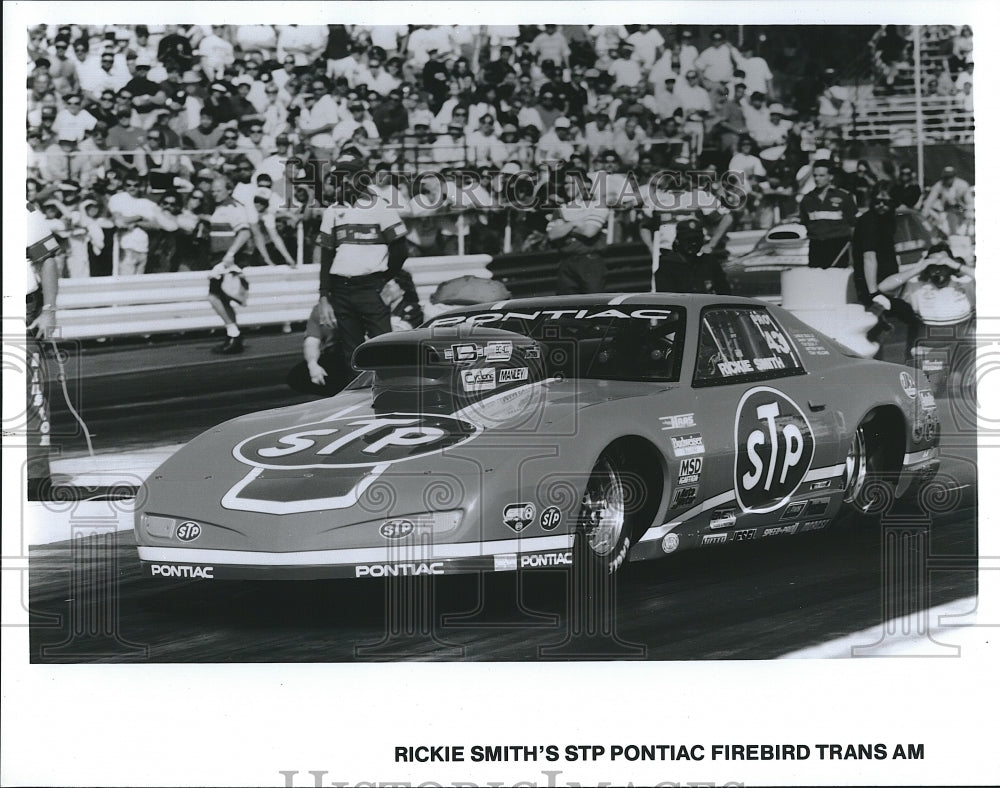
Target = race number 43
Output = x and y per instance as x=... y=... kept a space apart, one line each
x=774 y=449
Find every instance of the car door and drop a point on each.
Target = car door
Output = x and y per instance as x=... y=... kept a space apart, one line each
x=771 y=432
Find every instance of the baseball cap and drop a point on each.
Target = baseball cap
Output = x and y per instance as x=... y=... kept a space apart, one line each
x=243 y=79
x=776 y=109
x=690 y=73
x=347 y=166
x=561 y=123
x=143 y=60
x=949 y=170
x=671 y=78
x=508 y=128
x=689 y=228
x=220 y=87
x=263 y=193
x=510 y=168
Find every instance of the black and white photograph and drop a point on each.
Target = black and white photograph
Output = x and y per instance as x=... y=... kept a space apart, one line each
x=499 y=394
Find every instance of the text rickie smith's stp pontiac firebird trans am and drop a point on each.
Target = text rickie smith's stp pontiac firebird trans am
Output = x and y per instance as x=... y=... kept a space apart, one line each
x=542 y=432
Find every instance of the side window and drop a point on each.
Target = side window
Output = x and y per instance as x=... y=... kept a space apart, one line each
x=740 y=344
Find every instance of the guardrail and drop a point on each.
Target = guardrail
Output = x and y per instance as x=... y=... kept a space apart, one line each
x=126 y=306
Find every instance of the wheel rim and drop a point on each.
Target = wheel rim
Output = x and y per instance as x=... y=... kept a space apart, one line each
x=603 y=510
x=855 y=467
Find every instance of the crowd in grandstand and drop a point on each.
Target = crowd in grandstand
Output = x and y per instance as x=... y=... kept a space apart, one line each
x=129 y=129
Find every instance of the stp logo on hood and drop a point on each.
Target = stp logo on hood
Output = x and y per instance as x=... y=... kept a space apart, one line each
x=355 y=441
x=774 y=449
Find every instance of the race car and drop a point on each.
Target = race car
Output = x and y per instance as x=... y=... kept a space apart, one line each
x=757 y=274
x=547 y=432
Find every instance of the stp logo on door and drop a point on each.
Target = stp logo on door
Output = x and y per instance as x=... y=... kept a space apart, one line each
x=774 y=449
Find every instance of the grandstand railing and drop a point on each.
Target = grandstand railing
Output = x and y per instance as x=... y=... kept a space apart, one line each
x=894 y=120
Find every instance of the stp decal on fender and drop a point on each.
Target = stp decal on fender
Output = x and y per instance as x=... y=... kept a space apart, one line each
x=774 y=449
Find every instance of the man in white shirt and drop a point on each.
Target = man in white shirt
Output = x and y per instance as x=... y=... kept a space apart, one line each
x=216 y=53
x=648 y=45
x=696 y=105
x=624 y=69
x=717 y=62
x=485 y=148
x=757 y=74
x=73 y=122
x=133 y=215
x=556 y=145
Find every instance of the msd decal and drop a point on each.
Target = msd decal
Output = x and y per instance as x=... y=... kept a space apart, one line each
x=774 y=449
x=354 y=442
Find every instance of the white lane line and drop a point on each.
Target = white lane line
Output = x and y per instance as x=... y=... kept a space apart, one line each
x=925 y=633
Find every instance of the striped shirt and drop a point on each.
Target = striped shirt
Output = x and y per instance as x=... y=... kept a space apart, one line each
x=361 y=234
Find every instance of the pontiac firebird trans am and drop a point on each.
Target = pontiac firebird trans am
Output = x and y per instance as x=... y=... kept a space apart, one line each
x=593 y=430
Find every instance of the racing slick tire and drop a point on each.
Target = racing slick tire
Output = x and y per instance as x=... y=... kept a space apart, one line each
x=604 y=524
x=869 y=478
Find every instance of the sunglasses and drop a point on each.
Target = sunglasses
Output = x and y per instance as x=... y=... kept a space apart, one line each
x=72 y=103
x=169 y=204
x=229 y=137
x=256 y=131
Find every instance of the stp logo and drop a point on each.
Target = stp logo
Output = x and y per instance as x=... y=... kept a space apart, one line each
x=354 y=442
x=774 y=449
x=188 y=531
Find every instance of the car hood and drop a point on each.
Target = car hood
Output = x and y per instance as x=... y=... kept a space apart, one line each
x=340 y=457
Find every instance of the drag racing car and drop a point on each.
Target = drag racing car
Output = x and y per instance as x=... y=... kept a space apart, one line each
x=547 y=432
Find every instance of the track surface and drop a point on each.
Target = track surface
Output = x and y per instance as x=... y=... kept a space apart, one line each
x=758 y=600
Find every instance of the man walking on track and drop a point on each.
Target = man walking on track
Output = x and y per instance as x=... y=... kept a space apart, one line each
x=828 y=215
x=363 y=246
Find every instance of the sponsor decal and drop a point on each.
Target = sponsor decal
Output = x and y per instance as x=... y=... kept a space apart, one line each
x=678 y=422
x=690 y=471
x=815 y=525
x=774 y=449
x=172 y=570
x=793 y=510
x=927 y=401
x=188 y=531
x=396 y=529
x=399 y=570
x=465 y=352
x=745 y=535
x=909 y=387
x=359 y=442
x=684 y=445
x=670 y=543
x=481 y=318
x=513 y=374
x=505 y=562
x=811 y=344
x=714 y=538
x=723 y=518
x=778 y=530
x=620 y=558
x=550 y=518
x=817 y=507
x=518 y=516
x=684 y=496
x=822 y=484
x=499 y=350
x=484 y=379
x=546 y=559
x=533 y=352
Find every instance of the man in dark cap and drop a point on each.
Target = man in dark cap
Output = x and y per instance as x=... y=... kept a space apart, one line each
x=684 y=269
x=363 y=247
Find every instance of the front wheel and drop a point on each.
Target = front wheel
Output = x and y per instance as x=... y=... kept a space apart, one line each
x=604 y=532
x=866 y=469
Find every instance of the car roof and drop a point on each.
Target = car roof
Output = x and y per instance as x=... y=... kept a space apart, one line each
x=611 y=300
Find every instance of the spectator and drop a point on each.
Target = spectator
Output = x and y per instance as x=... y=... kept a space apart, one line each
x=757 y=74
x=164 y=169
x=556 y=145
x=598 y=135
x=828 y=215
x=834 y=102
x=860 y=183
x=676 y=143
x=376 y=77
x=630 y=140
x=961 y=50
x=686 y=268
x=668 y=101
x=147 y=95
x=450 y=150
x=484 y=147
x=259 y=37
x=552 y=45
x=435 y=78
x=905 y=191
x=648 y=45
x=273 y=111
x=390 y=116
x=891 y=50
x=242 y=108
x=578 y=230
x=133 y=215
x=94 y=80
x=204 y=137
x=58 y=162
x=948 y=202
x=73 y=122
x=696 y=105
x=344 y=130
x=623 y=69
x=305 y=43
x=716 y=63
x=62 y=69
x=732 y=123
x=748 y=165
x=774 y=137
x=175 y=46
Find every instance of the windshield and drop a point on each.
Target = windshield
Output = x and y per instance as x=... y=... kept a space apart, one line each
x=624 y=343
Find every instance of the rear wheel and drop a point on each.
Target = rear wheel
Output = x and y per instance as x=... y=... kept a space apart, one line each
x=604 y=532
x=866 y=480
